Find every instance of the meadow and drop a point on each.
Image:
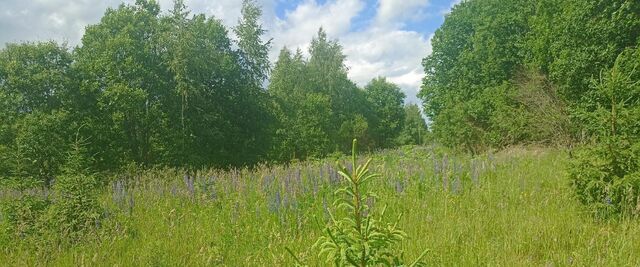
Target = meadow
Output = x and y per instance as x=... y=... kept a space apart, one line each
x=509 y=208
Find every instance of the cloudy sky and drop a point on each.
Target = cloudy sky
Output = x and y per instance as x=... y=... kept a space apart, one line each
x=380 y=37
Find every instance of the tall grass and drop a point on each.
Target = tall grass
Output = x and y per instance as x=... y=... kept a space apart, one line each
x=513 y=208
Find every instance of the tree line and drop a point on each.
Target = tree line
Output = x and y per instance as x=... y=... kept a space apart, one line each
x=172 y=88
x=524 y=71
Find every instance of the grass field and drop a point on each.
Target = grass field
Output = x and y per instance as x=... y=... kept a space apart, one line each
x=512 y=208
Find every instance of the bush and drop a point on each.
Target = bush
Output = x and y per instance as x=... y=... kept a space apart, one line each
x=606 y=178
x=76 y=208
x=67 y=214
x=24 y=215
x=606 y=173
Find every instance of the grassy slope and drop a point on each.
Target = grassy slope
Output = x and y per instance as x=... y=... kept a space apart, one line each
x=519 y=213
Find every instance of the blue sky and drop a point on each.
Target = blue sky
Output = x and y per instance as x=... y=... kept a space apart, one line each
x=379 y=37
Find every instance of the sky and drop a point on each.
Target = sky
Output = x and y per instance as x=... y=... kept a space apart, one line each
x=379 y=37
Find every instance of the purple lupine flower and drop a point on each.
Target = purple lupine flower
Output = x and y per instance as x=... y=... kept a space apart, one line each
x=189 y=181
x=173 y=189
x=399 y=187
x=235 y=179
x=212 y=188
x=287 y=184
x=325 y=208
x=457 y=184
x=491 y=159
x=334 y=176
x=274 y=205
x=118 y=192
x=299 y=178
x=131 y=202
x=315 y=186
x=474 y=172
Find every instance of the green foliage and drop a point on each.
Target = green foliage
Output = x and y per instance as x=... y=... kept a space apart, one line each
x=175 y=89
x=35 y=83
x=415 y=131
x=255 y=52
x=172 y=89
x=24 y=216
x=386 y=100
x=303 y=115
x=497 y=65
x=75 y=209
x=360 y=238
x=606 y=174
x=311 y=97
x=40 y=145
x=41 y=217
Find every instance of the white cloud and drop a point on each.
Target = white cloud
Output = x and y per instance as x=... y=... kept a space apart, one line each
x=298 y=26
x=394 y=11
x=382 y=49
x=395 y=54
x=65 y=20
x=60 y=20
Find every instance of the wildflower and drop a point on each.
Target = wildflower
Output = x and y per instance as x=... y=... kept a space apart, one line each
x=189 y=183
x=131 y=203
x=274 y=205
x=399 y=187
x=325 y=207
x=457 y=184
x=474 y=172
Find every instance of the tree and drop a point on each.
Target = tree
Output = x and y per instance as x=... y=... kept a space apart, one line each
x=303 y=115
x=475 y=51
x=386 y=101
x=414 y=131
x=35 y=82
x=327 y=74
x=173 y=89
x=120 y=64
x=255 y=52
x=319 y=109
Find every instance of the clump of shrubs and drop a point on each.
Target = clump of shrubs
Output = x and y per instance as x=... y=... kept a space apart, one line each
x=605 y=173
x=64 y=214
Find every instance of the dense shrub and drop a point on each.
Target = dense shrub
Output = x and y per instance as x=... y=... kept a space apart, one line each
x=65 y=214
x=23 y=215
x=75 y=208
x=606 y=173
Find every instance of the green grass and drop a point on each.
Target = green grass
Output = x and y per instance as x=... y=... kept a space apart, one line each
x=519 y=213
